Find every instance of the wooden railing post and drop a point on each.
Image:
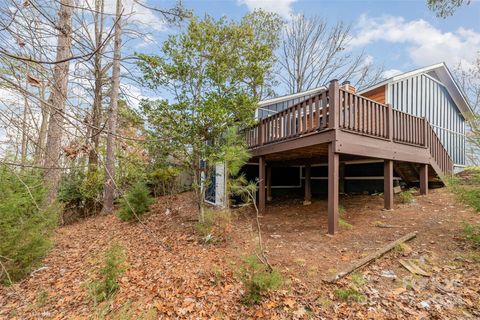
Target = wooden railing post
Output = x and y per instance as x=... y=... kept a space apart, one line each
x=389 y=122
x=260 y=132
x=334 y=104
x=425 y=132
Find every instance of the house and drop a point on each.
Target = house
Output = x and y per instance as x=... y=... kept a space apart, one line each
x=409 y=129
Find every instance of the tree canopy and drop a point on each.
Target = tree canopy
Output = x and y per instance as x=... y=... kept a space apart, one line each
x=214 y=71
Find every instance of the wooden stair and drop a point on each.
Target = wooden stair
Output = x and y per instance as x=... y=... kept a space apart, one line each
x=406 y=171
x=409 y=172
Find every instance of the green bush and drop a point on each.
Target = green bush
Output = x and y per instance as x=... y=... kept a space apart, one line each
x=352 y=292
x=135 y=202
x=344 y=224
x=257 y=279
x=25 y=226
x=406 y=196
x=472 y=233
x=81 y=193
x=107 y=283
x=466 y=186
x=470 y=196
x=164 y=180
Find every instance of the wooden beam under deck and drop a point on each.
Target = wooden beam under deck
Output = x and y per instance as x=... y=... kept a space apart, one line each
x=307 y=140
x=313 y=148
x=355 y=144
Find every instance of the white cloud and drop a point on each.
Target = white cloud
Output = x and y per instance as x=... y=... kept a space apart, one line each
x=391 y=73
x=140 y=15
x=10 y=97
x=367 y=61
x=147 y=40
x=139 y=21
x=282 y=7
x=133 y=94
x=135 y=12
x=425 y=43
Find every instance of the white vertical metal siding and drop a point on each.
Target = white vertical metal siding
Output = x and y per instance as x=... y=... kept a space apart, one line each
x=424 y=96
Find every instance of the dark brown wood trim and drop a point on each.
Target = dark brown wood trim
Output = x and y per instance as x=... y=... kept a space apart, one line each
x=307 y=140
x=333 y=169
x=423 y=179
x=299 y=161
x=333 y=104
x=388 y=184
x=350 y=143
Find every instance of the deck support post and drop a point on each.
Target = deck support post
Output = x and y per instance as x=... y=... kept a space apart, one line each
x=424 y=179
x=388 y=184
x=261 y=184
x=308 y=192
x=333 y=169
x=269 y=183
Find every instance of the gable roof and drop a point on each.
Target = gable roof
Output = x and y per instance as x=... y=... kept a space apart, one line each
x=444 y=76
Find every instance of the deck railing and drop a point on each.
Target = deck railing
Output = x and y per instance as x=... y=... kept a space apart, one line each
x=362 y=115
x=437 y=151
x=302 y=118
x=408 y=128
x=337 y=108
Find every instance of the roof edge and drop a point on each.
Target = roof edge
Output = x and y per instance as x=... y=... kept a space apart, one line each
x=458 y=96
x=290 y=96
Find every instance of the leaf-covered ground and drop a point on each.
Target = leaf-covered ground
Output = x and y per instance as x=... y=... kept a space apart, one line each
x=171 y=274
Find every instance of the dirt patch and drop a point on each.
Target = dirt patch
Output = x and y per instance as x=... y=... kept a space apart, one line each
x=171 y=274
x=295 y=233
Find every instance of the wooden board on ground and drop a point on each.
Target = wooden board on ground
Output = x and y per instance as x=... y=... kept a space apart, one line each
x=375 y=255
x=412 y=266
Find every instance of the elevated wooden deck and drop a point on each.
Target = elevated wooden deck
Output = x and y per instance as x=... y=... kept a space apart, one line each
x=338 y=122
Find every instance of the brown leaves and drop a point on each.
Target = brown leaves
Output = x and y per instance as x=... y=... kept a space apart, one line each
x=194 y=281
x=75 y=149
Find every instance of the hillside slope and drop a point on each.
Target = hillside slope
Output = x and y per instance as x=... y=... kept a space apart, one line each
x=171 y=274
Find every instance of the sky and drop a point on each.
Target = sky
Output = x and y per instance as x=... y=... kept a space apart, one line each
x=398 y=35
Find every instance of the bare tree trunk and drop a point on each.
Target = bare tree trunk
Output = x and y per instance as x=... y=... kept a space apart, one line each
x=24 y=132
x=57 y=100
x=97 y=100
x=42 y=134
x=109 y=187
